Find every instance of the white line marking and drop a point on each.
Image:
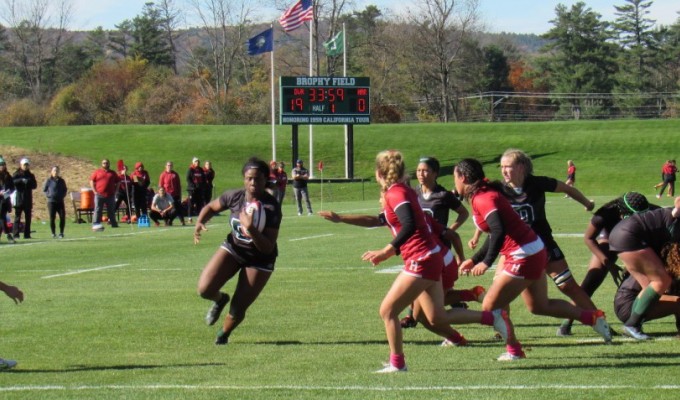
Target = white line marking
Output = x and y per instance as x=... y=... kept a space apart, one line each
x=334 y=388
x=568 y=235
x=81 y=271
x=311 y=237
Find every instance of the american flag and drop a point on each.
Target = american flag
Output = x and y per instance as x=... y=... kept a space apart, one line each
x=295 y=16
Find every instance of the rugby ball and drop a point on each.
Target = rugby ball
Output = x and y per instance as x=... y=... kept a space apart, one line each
x=97 y=227
x=256 y=209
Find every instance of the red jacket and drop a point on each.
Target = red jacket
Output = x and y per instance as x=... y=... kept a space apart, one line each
x=170 y=181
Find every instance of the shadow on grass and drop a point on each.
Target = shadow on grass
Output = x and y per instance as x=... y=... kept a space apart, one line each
x=123 y=367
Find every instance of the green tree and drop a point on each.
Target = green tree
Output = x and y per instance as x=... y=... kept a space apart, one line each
x=120 y=40
x=638 y=40
x=579 y=58
x=150 y=42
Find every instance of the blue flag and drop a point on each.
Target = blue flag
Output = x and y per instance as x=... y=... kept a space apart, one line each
x=261 y=43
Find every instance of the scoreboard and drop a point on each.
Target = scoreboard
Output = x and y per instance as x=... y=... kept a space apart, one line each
x=319 y=100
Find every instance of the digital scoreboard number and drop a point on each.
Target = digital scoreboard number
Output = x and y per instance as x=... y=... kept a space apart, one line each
x=319 y=100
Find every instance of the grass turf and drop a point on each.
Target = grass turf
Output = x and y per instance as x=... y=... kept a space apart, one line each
x=115 y=314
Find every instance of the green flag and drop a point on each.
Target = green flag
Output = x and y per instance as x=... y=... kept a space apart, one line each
x=335 y=46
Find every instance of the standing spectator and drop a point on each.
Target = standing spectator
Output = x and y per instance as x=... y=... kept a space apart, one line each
x=104 y=182
x=162 y=207
x=300 y=178
x=55 y=190
x=17 y=295
x=272 y=186
x=169 y=180
x=124 y=192
x=209 y=181
x=281 y=181
x=6 y=189
x=668 y=179
x=140 y=187
x=24 y=184
x=196 y=186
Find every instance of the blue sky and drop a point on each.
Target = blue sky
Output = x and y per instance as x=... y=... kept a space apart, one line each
x=519 y=16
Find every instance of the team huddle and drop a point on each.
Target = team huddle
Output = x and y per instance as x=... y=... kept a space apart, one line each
x=510 y=216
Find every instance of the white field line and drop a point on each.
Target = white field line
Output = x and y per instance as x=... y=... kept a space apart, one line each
x=160 y=387
x=311 y=237
x=81 y=271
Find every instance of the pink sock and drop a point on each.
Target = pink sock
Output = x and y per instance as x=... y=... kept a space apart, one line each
x=487 y=318
x=587 y=317
x=398 y=360
x=514 y=349
x=455 y=337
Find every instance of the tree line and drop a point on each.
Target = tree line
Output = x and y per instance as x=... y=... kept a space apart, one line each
x=433 y=64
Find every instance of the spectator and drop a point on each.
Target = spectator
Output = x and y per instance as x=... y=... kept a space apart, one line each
x=104 y=182
x=170 y=181
x=281 y=181
x=272 y=186
x=162 y=207
x=17 y=295
x=209 y=181
x=6 y=189
x=196 y=187
x=140 y=187
x=123 y=193
x=55 y=190
x=300 y=178
x=24 y=184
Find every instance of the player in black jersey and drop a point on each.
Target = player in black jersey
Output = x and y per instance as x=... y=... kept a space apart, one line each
x=526 y=193
x=638 y=240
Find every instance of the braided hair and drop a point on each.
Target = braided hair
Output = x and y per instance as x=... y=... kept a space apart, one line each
x=390 y=166
x=632 y=203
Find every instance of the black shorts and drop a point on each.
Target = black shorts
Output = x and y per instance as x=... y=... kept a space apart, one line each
x=244 y=262
x=623 y=303
x=554 y=251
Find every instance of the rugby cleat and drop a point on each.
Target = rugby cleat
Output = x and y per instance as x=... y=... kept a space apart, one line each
x=511 y=357
x=214 y=313
x=564 y=330
x=602 y=327
x=449 y=343
x=389 y=368
x=7 y=364
x=635 y=333
x=408 y=322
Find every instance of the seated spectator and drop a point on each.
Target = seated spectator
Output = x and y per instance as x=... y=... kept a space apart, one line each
x=162 y=207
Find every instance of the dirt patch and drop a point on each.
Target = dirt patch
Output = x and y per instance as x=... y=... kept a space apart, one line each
x=76 y=172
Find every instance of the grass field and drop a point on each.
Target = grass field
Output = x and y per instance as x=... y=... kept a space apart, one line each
x=116 y=315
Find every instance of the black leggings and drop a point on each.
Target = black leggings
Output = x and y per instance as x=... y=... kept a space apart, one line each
x=53 y=209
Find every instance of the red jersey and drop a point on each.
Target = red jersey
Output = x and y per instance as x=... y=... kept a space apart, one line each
x=420 y=244
x=170 y=181
x=520 y=240
x=104 y=182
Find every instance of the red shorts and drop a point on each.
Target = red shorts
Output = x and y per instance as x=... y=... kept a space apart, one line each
x=426 y=267
x=530 y=267
x=450 y=271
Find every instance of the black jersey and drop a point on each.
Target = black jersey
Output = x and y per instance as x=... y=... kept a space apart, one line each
x=235 y=201
x=647 y=229
x=606 y=217
x=529 y=203
x=438 y=203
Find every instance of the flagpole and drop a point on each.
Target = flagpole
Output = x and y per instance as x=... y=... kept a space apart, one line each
x=271 y=59
x=344 y=73
x=311 y=73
